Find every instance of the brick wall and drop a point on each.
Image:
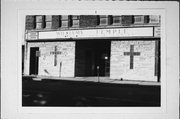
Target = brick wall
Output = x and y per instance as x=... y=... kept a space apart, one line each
x=127 y=20
x=89 y=20
x=143 y=64
x=82 y=21
x=30 y=22
x=55 y=21
x=47 y=58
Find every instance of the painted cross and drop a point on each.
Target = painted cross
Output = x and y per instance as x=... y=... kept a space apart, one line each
x=55 y=53
x=131 y=54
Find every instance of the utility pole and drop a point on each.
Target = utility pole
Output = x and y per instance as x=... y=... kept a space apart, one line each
x=98 y=73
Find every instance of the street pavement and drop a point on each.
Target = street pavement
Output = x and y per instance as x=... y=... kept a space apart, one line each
x=91 y=91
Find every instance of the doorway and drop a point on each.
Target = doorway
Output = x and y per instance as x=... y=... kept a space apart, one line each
x=34 y=60
x=92 y=58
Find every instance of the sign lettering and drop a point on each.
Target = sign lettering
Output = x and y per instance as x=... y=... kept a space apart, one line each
x=97 y=33
x=157 y=31
x=32 y=36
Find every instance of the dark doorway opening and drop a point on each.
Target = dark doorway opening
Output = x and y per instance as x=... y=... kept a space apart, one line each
x=34 y=60
x=92 y=58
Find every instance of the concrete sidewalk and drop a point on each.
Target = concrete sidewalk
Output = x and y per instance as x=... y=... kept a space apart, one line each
x=97 y=79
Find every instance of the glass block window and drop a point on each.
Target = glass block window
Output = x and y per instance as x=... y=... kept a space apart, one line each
x=66 y=21
x=117 y=20
x=141 y=19
x=154 y=19
x=48 y=25
x=103 y=20
x=64 y=17
x=75 y=21
x=48 y=21
x=48 y=18
x=40 y=19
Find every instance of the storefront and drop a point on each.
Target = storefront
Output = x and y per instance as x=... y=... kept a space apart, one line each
x=128 y=53
x=119 y=47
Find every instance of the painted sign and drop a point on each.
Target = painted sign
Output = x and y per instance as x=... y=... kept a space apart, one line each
x=32 y=36
x=97 y=33
x=157 y=31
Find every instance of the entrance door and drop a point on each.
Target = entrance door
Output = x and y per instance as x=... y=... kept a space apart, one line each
x=34 y=60
x=102 y=59
x=92 y=58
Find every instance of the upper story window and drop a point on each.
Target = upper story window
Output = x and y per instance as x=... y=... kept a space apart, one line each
x=75 y=21
x=154 y=19
x=141 y=19
x=48 y=21
x=40 y=19
x=117 y=20
x=105 y=20
x=66 y=21
x=39 y=22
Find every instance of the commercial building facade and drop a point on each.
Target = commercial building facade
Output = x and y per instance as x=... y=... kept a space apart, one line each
x=119 y=47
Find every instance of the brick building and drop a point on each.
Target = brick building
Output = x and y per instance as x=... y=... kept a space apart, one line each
x=118 y=47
